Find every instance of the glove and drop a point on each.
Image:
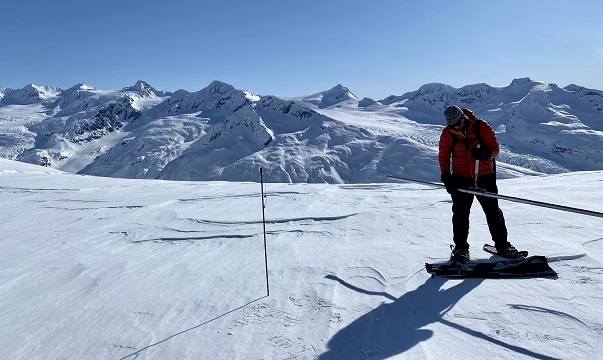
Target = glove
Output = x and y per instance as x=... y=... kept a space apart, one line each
x=481 y=153
x=448 y=181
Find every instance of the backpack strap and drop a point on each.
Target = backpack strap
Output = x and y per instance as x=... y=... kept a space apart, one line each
x=478 y=136
x=476 y=133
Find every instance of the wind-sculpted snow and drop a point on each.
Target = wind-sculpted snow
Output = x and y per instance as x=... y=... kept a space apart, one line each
x=223 y=133
x=104 y=268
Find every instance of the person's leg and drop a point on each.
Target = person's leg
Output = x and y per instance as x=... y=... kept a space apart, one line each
x=461 y=208
x=494 y=215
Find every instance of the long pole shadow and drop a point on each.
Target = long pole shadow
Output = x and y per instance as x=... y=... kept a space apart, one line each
x=483 y=336
x=137 y=352
x=394 y=328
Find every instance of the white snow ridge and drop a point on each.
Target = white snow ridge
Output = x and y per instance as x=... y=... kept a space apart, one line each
x=169 y=252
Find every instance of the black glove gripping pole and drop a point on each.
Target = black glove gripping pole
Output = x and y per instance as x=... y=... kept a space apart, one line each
x=264 y=223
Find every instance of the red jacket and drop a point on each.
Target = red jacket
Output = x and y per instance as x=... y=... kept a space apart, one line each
x=463 y=163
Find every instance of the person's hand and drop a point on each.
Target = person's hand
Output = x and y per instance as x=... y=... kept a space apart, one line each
x=448 y=181
x=481 y=153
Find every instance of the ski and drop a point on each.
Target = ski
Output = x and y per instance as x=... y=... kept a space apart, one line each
x=492 y=250
x=528 y=267
x=448 y=268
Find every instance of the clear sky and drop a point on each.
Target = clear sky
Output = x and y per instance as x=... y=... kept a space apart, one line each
x=290 y=48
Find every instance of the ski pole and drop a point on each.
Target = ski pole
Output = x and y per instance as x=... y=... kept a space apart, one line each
x=480 y=192
x=264 y=224
x=476 y=168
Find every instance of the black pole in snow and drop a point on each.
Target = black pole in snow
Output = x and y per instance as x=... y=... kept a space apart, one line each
x=264 y=224
x=480 y=192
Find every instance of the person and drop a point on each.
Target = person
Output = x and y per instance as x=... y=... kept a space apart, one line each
x=466 y=142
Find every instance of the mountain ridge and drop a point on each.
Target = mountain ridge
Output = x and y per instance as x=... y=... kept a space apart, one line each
x=330 y=136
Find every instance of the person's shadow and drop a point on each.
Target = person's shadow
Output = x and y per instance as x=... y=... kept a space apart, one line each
x=396 y=327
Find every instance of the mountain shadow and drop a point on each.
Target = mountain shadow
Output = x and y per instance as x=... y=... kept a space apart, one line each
x=396 y=327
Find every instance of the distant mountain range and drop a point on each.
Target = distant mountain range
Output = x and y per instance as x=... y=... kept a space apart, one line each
x=223 y=133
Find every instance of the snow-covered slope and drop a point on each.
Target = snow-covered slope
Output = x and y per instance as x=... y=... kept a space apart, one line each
x=331 y=136
x=99 y=268
x=215 y=151
x=30 y=94
x=561 y=127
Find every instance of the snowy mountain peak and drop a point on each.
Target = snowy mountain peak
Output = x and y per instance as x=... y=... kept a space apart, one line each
x=219 y=87
x=591 y=96
x=583 y=90
x=216 y=101
x=435 y=95
x=526 y=81
x=144 y=89
x=334 y=96
x=30 y=94
x=72 y=95
x=477 y=87
x=366 y=102
x=434 y=88
x=575 y=88
x=81 y=86
x=42 y=90
x=75 y=90
x=339 y=92
x=520 y=81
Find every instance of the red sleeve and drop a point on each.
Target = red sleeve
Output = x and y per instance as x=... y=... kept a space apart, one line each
x=489 y=139
x=445 y=150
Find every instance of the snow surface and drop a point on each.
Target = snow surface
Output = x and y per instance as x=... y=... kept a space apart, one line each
x=101 y=268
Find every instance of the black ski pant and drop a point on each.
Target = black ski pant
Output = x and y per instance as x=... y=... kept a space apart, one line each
x=461 y=207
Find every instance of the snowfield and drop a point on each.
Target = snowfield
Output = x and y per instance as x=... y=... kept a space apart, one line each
x=102 y=268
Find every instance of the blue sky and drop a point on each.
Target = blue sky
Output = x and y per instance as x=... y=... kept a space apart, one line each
x=290 y=48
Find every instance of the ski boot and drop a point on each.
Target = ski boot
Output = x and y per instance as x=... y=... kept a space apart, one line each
x=460 y=255
x=510 y=252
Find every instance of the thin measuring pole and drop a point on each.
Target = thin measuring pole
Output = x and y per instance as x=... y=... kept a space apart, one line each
x=476 y=168
x=264 y=224
x=479 y=192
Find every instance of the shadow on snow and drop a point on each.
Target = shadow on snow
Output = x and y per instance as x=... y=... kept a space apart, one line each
x=394 y=328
